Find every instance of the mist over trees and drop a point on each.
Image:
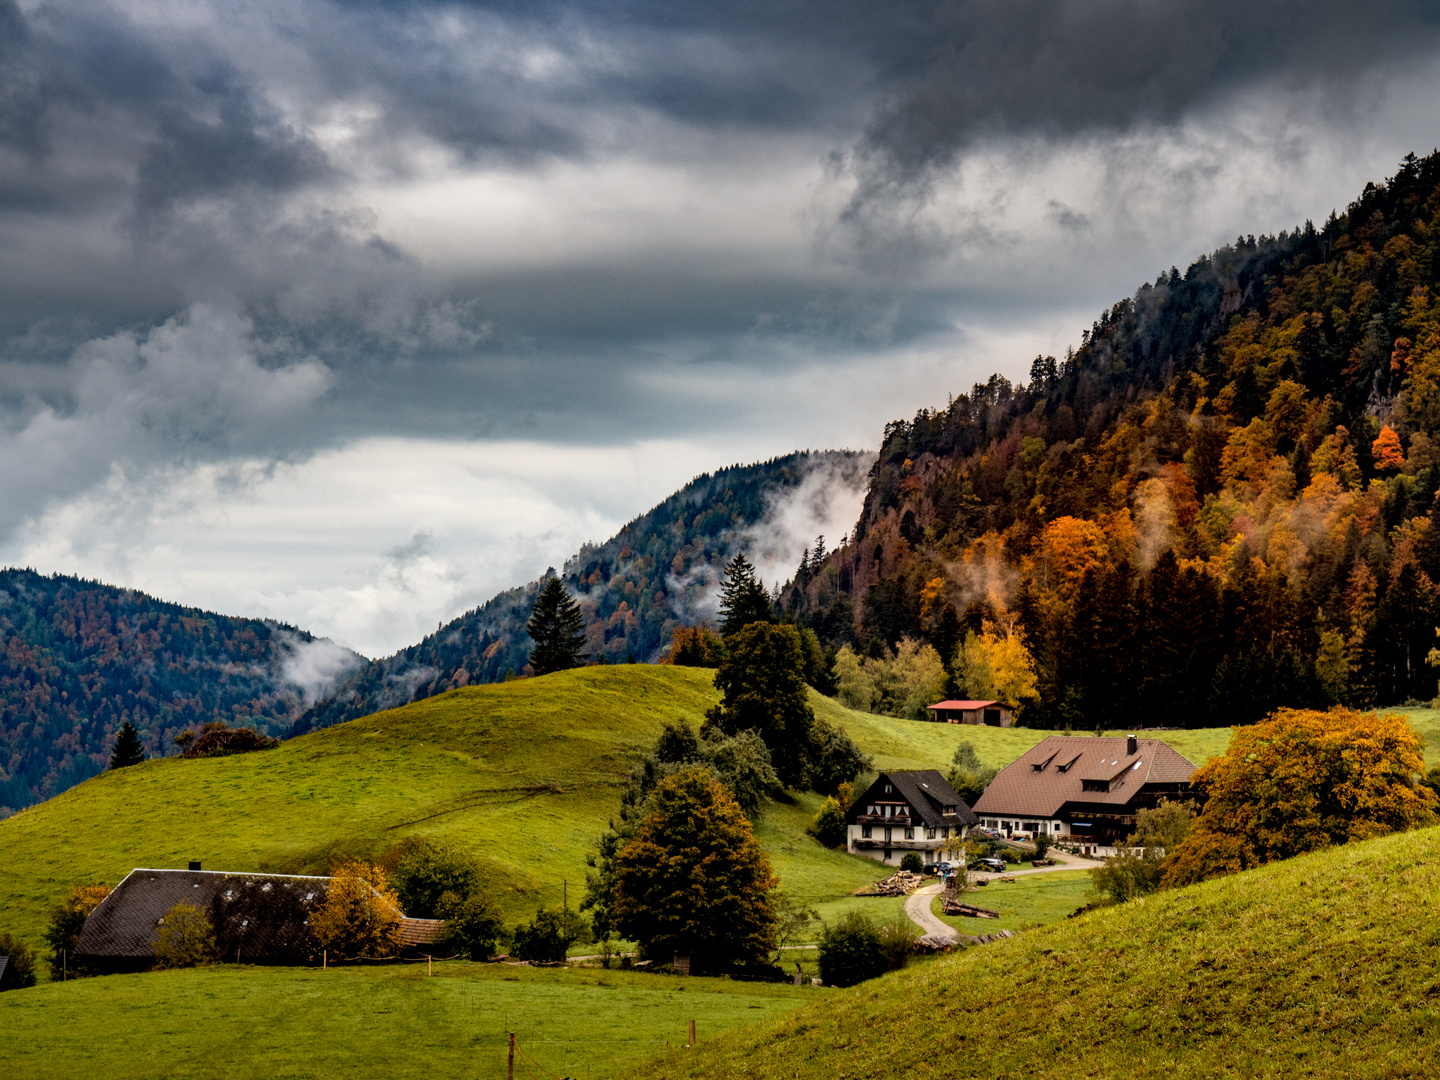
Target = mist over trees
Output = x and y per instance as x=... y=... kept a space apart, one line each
x=1222 y=502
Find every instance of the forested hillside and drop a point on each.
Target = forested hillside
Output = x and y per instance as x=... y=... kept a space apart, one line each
x=78 y=659
x=658 y=572
x=1222 y=501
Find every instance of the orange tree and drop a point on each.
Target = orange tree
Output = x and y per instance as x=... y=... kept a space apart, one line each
x=694 y=880
x=1300 y=781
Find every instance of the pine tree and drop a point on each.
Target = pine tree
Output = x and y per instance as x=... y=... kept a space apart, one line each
x=557 y=630
x=743 y=599
x=128 y=750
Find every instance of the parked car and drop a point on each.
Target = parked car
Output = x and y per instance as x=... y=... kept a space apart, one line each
x=985 y=834
x=994 y=865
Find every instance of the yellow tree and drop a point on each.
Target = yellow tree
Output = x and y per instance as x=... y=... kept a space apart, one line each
x=1300 y=781
x=360 y=915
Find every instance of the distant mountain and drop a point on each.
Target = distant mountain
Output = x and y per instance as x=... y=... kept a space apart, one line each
x=659 y=572
x=78 y=659
x=1222 y=502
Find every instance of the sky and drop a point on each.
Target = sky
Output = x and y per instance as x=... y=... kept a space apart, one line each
x=353 y=314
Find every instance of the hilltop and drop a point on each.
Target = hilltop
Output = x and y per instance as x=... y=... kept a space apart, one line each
x=658 y=572
x=78 y=659
x=1320 y=966
x=1223 y=501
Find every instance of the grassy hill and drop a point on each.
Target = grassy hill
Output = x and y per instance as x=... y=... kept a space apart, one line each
x=1324 y=965
x=526 y=772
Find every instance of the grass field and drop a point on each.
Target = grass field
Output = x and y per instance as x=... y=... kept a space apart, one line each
x=395 y=1022
x=1029 y=901
x=1321 y=966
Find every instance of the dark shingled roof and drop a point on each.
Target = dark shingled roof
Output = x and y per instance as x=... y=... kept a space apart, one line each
x=256 y=916
x=1045 y=778
x=927 y=792
x=4 y=963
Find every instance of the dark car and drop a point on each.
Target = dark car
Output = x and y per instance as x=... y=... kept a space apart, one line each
x=941 y=868
x=994 y=865
x=985 y=834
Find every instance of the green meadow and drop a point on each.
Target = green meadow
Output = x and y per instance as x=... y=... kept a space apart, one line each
x=1326 y=965
x=233 y=1021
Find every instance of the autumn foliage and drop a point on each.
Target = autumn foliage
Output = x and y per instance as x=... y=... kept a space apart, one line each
x=360 y=916
x=694 y=880
x=1300 y=781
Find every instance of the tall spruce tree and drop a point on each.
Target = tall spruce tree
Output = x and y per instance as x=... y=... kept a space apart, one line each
x=743 y=599
x=557 y=630
x=128 y=750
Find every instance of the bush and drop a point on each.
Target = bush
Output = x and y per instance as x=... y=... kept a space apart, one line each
x=422 y=871
x=548 y=937
x=851 y=950
x=1042 y=845
x=897 y=940
x=22 y=960
x=1009 y=855
x=473 y=923
x=185 y=938
x=217 y=739
x=912 y=862
x=829 y=824
x=834 y=758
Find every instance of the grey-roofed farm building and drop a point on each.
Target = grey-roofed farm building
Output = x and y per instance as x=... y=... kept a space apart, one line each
x=257 y=918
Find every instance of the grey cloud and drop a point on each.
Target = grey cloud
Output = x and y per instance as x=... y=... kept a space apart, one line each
x=1059 y=69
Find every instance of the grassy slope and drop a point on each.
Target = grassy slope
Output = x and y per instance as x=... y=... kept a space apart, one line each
x=229 y=1021
x=454 y=765
x=1320 y=966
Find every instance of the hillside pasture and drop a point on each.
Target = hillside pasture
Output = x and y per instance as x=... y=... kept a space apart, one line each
x=240 y=1021
x=1323 y=965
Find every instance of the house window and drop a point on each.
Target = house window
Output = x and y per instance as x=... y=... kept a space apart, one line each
x=1094 y=785
x=865 y=831
x=945 y=832
x=930 y=833
x=909 y=834
x=888 y=789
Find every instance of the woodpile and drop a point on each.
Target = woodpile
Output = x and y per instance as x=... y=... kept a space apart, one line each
x=953 y=905
x=901 y=884
x=934 y=943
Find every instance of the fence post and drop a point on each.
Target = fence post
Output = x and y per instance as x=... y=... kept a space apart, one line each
x=692 y=1032
x=510 y=1074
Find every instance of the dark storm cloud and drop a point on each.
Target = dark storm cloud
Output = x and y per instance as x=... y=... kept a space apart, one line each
x=1059 y=69
x=158 y=165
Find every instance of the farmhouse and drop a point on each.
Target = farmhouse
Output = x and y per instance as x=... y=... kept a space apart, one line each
x=906 y=811
x=257 y=918
x=990 y=713
x=1085 y=789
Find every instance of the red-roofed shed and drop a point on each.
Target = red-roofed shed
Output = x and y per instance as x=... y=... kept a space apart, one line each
x=990 y=713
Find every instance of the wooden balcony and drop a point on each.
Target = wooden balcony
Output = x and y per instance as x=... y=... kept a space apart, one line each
x=902 y=820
